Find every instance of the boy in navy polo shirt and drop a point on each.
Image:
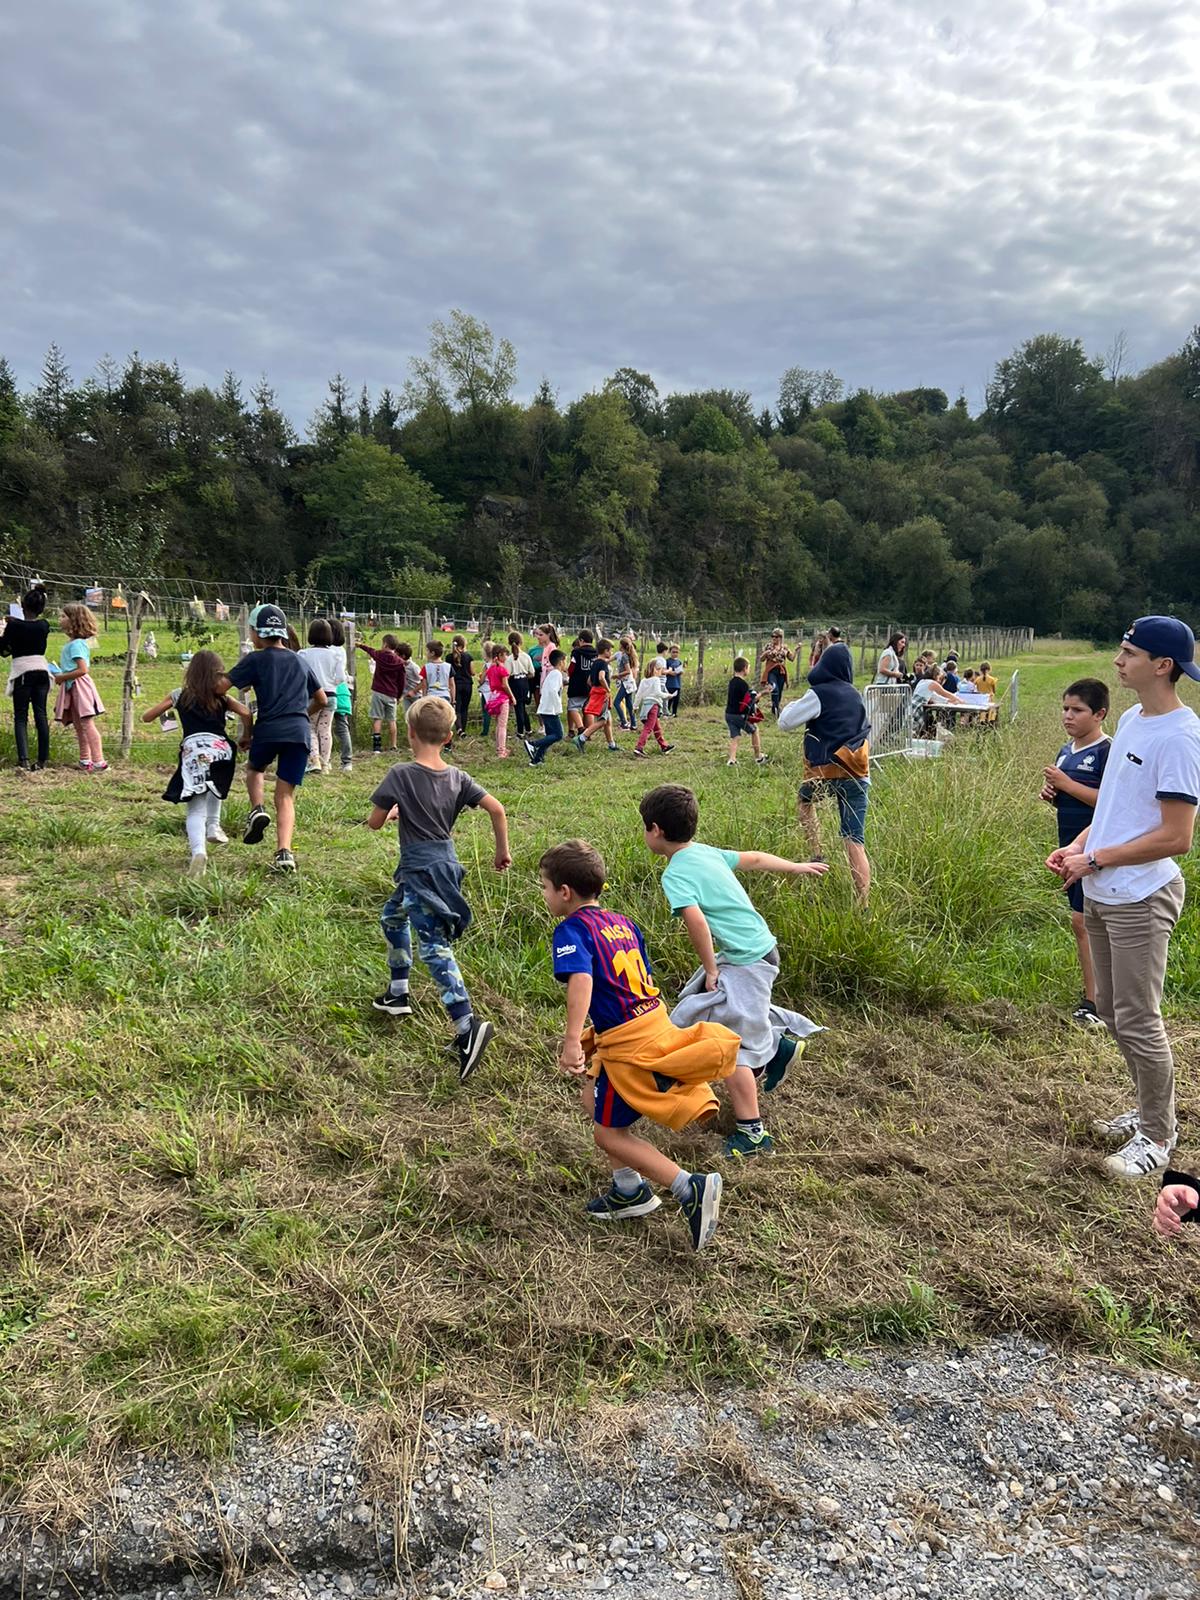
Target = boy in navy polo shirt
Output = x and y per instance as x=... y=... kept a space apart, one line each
x=1071 y=787
x=642 y=1063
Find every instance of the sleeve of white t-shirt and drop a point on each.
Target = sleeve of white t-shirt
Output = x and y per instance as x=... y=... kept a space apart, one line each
x=797 y=712
x=1177 y=770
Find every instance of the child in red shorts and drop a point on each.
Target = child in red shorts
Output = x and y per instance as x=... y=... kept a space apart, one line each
x=597 y=713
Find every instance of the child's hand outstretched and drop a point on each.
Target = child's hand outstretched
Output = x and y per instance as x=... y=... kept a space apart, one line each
x=812 y=869
x=571 y=1059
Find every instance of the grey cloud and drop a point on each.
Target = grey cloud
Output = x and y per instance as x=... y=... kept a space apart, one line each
x=708 y=189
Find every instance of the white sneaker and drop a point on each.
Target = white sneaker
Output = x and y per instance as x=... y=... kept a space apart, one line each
x=1140 y=1158
x=217 y=836
x=1119 y=1128
x=198 y=865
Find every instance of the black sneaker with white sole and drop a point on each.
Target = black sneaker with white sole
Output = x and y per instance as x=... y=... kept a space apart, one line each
x=1085 y=1015
x=616 y=1207
x=471 y=1045
x=396 y=1005
x=284 y=861
x=702 y=1206
x=257 y=824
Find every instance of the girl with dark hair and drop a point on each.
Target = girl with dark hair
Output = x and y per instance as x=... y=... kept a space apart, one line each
x=462 y=670
x=24 y=639
x=328 y=666
x=891 y=667
x=206 y=757
x=343 y=705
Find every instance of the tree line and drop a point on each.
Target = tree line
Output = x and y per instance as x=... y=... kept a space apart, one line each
x=1071 y=503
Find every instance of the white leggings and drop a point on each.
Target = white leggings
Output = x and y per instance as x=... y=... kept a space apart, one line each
x=203 y=815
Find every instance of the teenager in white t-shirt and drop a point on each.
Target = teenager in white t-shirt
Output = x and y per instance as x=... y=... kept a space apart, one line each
x=1133 y=889
x=549 y=710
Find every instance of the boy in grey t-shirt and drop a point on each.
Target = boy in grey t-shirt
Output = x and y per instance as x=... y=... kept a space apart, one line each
x=425 y=797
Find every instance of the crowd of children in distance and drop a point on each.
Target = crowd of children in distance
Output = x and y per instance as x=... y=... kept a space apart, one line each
x=635 y=1059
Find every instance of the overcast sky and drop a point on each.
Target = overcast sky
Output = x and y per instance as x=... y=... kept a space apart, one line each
x=708 y=190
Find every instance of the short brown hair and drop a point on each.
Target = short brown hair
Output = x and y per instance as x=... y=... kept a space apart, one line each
x=402 y=647
x=431 y=719
x=390 y=642
x=574 y=864
x=741 y=664
x=674 y=809
x=319 y=632
x=435 y=649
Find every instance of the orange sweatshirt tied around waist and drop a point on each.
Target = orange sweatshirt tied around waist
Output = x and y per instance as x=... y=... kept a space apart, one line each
x=662 y=1071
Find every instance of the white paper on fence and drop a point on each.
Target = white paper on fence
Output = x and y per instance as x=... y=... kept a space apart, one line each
x=14 y=610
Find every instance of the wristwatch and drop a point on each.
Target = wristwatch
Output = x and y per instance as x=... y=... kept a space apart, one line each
x=1092 y=862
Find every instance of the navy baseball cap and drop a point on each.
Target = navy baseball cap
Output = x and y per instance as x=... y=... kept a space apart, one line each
x=269 y=622
x=1166 y=636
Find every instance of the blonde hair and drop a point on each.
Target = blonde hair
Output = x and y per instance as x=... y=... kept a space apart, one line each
x=431 y=719
x=81 y=624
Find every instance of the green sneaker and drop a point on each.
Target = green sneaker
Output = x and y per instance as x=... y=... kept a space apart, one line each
x=741 y=1143
x=615 y=1206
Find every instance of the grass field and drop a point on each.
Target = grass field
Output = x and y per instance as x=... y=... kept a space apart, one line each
x=231 y=1193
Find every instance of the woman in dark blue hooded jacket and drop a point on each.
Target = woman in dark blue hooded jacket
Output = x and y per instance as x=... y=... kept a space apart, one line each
x=836 y=757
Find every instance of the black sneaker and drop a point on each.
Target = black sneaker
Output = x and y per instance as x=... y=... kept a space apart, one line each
x=615 y=1206
x=284 y=861
x=1085 y=1015
x=396 y=1005
x=471 y=1045
x=666 y=748
x=703 y=1206
x=776 y=1069
x=257 y=824
x=530 y=751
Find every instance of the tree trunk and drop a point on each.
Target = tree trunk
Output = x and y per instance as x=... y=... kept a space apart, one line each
x=133 y=625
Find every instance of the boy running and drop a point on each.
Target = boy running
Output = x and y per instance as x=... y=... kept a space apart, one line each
x=425 y=796
x=286 y=694
x=642 y=1064
x=739 y=958
x=1072 y=787
x=742 y=713
x=597 y=712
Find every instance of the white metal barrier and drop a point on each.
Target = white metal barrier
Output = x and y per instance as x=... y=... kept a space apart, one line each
x=1014 y=686
x=889 y=710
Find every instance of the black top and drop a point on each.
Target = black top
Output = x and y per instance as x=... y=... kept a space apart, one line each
x=194 y=719
x=598 y=677
x=24 y=638
x=579 y=677
x=738 y=690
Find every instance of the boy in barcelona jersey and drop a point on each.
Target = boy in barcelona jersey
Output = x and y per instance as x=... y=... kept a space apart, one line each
x=636 y=1063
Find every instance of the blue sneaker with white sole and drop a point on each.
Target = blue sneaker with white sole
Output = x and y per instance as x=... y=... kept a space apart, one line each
x=615 y=1206
x=702 y=1208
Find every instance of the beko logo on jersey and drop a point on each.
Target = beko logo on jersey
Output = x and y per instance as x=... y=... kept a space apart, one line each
x=565 y=949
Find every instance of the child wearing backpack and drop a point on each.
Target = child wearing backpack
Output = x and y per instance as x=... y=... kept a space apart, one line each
x=742 y=714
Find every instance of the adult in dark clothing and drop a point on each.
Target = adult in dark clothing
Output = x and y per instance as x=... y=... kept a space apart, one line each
x=24 y=639
x=836 y=757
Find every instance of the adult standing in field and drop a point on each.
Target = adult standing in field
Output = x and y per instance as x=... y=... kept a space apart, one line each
x=891 y=666
x=1132 y=886
x=774 y=672
x=24 y=638
x=836 y=758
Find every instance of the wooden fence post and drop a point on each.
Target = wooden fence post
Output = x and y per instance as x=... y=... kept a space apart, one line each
x=133 y=636
x=700 y=643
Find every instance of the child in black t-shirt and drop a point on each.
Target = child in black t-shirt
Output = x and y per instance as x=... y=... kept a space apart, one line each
x=742 y=714
x=579 y=679
x=597 y=711
x=1072 y=787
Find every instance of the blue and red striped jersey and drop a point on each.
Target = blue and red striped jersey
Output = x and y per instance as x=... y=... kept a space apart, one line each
x=610 y=948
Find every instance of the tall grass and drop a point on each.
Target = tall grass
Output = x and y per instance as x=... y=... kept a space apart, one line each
x=232 y=1191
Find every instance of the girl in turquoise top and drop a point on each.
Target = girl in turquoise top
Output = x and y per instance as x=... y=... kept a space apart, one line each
x=79 y=703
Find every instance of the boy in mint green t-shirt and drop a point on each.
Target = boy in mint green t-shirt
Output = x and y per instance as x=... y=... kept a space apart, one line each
x=739 y=957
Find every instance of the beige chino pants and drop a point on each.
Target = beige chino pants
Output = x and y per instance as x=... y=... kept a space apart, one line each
x=1129 y=952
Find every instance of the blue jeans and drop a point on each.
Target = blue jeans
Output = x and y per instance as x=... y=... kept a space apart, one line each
x=851 y=796
x=777 y=680
x=623 y=701
x=405 y=911
x=554 y=732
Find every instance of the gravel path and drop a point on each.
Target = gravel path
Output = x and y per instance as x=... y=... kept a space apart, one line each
x=1000 y=1471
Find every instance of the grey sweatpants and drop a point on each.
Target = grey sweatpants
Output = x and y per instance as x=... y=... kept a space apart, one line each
x=1129 y=952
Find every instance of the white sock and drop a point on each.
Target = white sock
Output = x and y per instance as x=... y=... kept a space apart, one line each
x=626 y=1180
x=682 y=1186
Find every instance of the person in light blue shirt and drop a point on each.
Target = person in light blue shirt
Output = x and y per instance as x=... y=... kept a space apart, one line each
x=737 y=952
